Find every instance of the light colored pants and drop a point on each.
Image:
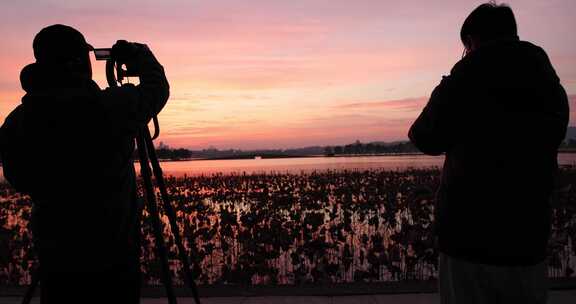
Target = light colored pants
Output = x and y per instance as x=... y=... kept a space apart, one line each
x=463 y=282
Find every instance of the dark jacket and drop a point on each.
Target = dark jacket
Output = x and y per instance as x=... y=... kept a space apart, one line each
x=499 y=117
x=69 y=145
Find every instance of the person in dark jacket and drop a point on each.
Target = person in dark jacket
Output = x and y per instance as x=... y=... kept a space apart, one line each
x=499 y=117
x=69 y=145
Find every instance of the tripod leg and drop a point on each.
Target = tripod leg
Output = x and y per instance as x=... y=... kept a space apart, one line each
x=33 y=284
x=154 y=214
x=169 y=210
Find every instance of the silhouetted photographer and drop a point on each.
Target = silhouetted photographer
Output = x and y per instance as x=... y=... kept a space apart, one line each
x=70 y=146
x=499 y=117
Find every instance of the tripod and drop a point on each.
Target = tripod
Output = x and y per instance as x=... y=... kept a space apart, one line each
x=147 y=156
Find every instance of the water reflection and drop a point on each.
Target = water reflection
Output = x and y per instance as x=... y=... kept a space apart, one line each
x=309 y=164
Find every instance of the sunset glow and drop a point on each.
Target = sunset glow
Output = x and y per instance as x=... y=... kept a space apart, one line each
x=278 y=74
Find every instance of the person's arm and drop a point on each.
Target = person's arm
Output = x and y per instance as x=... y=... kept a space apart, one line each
x=563 y=113
x=15 y=163
x=430 y=132
x=557 y=99
x=129 y=107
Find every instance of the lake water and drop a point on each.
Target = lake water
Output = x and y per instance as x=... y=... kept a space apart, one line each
x=296 y=165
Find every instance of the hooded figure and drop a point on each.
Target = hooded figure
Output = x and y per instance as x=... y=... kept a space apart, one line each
x=499 y=117
x=69 y=145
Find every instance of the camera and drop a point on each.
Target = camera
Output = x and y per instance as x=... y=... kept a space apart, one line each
x=120 y=60
x=103 y=54
x=122 y=51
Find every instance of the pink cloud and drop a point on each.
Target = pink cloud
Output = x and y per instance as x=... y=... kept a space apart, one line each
x=408 y=104
x=284 y=53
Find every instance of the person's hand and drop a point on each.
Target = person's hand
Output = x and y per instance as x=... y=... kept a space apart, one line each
x=127 y=53
x=124 y=51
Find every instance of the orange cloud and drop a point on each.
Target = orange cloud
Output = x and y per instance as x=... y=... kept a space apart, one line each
x=408 y=104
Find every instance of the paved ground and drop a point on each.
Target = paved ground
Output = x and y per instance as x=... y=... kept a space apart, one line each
x=556 y=297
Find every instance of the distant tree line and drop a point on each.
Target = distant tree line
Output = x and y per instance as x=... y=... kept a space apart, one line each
x=165 y=152
x=371 y=148
x=358 y=148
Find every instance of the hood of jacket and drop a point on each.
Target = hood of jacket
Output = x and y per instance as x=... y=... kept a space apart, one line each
x=54 y=84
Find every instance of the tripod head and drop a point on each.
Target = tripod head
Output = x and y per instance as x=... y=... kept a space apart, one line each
x=117 y=67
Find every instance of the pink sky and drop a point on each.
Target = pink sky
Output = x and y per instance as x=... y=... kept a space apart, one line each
x=277 y=74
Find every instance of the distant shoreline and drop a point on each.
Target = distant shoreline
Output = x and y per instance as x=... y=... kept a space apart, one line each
x=276 y=156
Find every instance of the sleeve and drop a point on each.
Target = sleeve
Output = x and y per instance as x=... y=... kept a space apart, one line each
x=558 y=100
x=563 y=114
x=129 y=107
x=430 y=133
x=15 y=163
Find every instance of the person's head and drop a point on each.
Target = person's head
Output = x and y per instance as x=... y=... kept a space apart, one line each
x=488 y=23
x=63 y=47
